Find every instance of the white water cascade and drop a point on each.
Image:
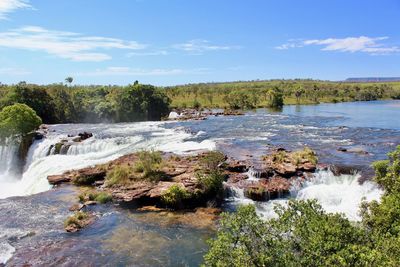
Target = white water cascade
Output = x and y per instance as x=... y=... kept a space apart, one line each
x=108 y=142
x=342 y=194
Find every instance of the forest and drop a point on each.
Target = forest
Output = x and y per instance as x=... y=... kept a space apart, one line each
x=59 y=103
x=259 y=94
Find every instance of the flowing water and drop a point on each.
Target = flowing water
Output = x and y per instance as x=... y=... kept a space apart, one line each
x=31 y=225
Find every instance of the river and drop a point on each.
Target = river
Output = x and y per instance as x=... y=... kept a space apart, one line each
x=31 y=214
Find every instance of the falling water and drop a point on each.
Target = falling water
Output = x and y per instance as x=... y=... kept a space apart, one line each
x=341 y=194
x=108 y=142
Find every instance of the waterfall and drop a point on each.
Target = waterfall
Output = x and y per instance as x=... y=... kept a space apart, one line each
x=9 y=161
x=109 y=142
x=341 y=194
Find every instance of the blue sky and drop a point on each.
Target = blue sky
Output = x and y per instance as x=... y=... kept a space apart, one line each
x=167 y=42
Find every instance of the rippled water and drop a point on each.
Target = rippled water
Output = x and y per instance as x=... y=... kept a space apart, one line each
x=31 y=226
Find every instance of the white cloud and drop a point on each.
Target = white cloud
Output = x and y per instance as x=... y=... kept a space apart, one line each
x=199 y=46
x=8 y=6
x=151 y=53
x=370 y=45
x=14 y=71
x=127 y=71
x=68 y=45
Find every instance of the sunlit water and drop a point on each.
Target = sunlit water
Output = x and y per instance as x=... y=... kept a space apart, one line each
x=372 y=127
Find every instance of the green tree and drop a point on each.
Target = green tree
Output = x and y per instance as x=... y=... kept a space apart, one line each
x=18 y=120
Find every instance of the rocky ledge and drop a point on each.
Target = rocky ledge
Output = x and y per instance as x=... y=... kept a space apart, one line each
x=154 y=178
x=173 y=182
x=280 y=171
x=194 y=114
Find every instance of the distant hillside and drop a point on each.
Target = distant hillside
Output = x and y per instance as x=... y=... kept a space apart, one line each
x=374 y=79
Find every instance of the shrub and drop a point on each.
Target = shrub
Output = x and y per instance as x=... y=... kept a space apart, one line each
x=175 y=196
x=76 y=219
x=149 y=162
x=103 y=198
x=211 y=183
x=303 y=235
x=212 y=160
x=118 y=175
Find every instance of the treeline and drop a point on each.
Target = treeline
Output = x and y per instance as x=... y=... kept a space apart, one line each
x=264 y=93
x=58 y=103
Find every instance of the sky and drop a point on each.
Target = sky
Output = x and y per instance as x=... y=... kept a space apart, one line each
x=169 y=42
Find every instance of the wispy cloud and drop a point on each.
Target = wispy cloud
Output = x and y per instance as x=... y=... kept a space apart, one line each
x=199 y=46
x=8 y=6
x=127 y=71
x=68 y=45
x=14 y=71
x=149 y=53
x=370 y=45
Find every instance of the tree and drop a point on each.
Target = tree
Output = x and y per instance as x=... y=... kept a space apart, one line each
x=35 y=97
x=18 y=120
x=299 y=91
x=69 y=80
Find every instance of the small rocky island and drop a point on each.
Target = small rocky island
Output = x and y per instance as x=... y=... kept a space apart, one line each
x=173 y=182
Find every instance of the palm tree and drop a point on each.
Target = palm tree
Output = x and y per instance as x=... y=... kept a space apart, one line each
x=69 y=80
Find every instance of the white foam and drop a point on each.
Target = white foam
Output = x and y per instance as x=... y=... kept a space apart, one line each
x=342 y=194
x=6 y=252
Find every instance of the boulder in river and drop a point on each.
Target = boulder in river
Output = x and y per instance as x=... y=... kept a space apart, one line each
x=289 y=164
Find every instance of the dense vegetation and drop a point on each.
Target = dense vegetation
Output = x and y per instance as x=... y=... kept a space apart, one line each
x=255 y=94
x=58 y=103
x=303 y=234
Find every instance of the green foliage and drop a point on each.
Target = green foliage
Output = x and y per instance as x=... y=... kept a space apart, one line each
x=18 y=119
x=175 y=196
x=388 y=172
x=57 y=103
x=274 y=93
x=94 y=195
x=212 y=160
x=303 y=234
x=35 y=97
x=76 y=219
x=239 y=100
x=119 y=174
x=146 y=168
x=149 y=163
x=211 y=183
x=307 y=154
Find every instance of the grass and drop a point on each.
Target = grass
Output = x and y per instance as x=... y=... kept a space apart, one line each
x=93 y=195
x=306 y=154
x=76 y=219
x=175 y=196
x=119 y=175
x=146 y=168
